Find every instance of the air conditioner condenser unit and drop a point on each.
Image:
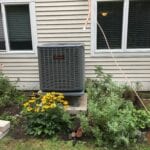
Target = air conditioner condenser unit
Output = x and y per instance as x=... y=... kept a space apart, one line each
x=61 y=68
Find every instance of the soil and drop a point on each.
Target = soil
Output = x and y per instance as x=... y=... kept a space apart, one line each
x=148 y=137
x=11 y=110
x=17 y=130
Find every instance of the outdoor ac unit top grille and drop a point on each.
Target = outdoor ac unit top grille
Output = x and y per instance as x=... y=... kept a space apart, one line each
x=61 y=68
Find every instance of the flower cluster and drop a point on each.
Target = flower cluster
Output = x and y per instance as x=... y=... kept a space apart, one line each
x=42 y=103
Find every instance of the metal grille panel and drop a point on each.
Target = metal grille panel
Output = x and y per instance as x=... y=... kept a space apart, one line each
x=61 y=68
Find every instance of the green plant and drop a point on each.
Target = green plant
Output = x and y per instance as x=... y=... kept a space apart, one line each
x=8 y=117
x=8 y=92
x=111 y=119
x=46 y=115
x=142 y=119
x=103 y=86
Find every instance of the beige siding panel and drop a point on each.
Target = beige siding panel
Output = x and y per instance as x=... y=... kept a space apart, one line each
x=63 y=39
x=16 y=56
x=60 y=4
x=122 y=79
x=29 y=64
x=61 y=8
x=66 y=35
x=119 y=59
x=66 y=17
x=96 y=63
x=119 y=55
x=130 y=72
x=62 y=25
x=63 y=31
x=22 y=75
x=58 y=1
x=21 y=68
x=16 y=69
x=7 y=72
x=61 y=22
x=88 y=67
x=28 y=85
x=50 y=14
x=23 y=79
x=47 y=1
x=60 y=13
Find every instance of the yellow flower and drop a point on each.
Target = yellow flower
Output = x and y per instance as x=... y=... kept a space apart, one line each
x=26 y=104
x=65 y=102
x=44 y=100
x=29 y=109
x=32 y=101
x=37 y=109
x=42 y=110
x=53 y=105
x=60 y=97
x=46 y=107
x=33 y=98
x=61 y=101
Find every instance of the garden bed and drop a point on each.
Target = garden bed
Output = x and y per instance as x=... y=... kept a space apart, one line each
x=112 y=119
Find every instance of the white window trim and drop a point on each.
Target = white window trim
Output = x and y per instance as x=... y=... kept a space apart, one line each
x=31 y=4
x=124 y=49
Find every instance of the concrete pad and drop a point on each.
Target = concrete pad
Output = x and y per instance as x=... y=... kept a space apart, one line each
x=4 y=125
x=79 y=104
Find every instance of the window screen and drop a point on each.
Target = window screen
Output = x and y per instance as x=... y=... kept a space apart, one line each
x=139 y=24
x=2 y=41
x=19 y=31
x=109 y=15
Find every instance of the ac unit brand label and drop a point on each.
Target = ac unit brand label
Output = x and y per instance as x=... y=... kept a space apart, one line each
x=58 y=57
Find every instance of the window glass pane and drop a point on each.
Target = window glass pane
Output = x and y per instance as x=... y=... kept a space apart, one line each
x=2 y=41
x=19 y=31
x=109 y=15
x=139 y=24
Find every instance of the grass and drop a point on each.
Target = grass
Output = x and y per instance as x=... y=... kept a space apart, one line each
x=9 y=143
x=37 y=144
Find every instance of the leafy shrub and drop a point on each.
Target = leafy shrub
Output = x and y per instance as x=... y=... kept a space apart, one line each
x=142 y=119
x=45 y=114
x=8 y=93
x=111 y=119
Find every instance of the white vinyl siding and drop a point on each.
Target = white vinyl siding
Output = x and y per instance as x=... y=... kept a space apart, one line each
x=63 y=21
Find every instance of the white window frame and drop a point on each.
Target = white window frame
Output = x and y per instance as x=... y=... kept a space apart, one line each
x=124 y=49
x=31 y=4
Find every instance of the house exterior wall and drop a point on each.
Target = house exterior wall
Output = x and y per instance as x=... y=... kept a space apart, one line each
x=63 y=21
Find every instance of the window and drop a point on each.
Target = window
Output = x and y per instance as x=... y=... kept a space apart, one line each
x=110 y=17
x=126 y=24
x=17 y=26
x=18 y=23
x=139 y=24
